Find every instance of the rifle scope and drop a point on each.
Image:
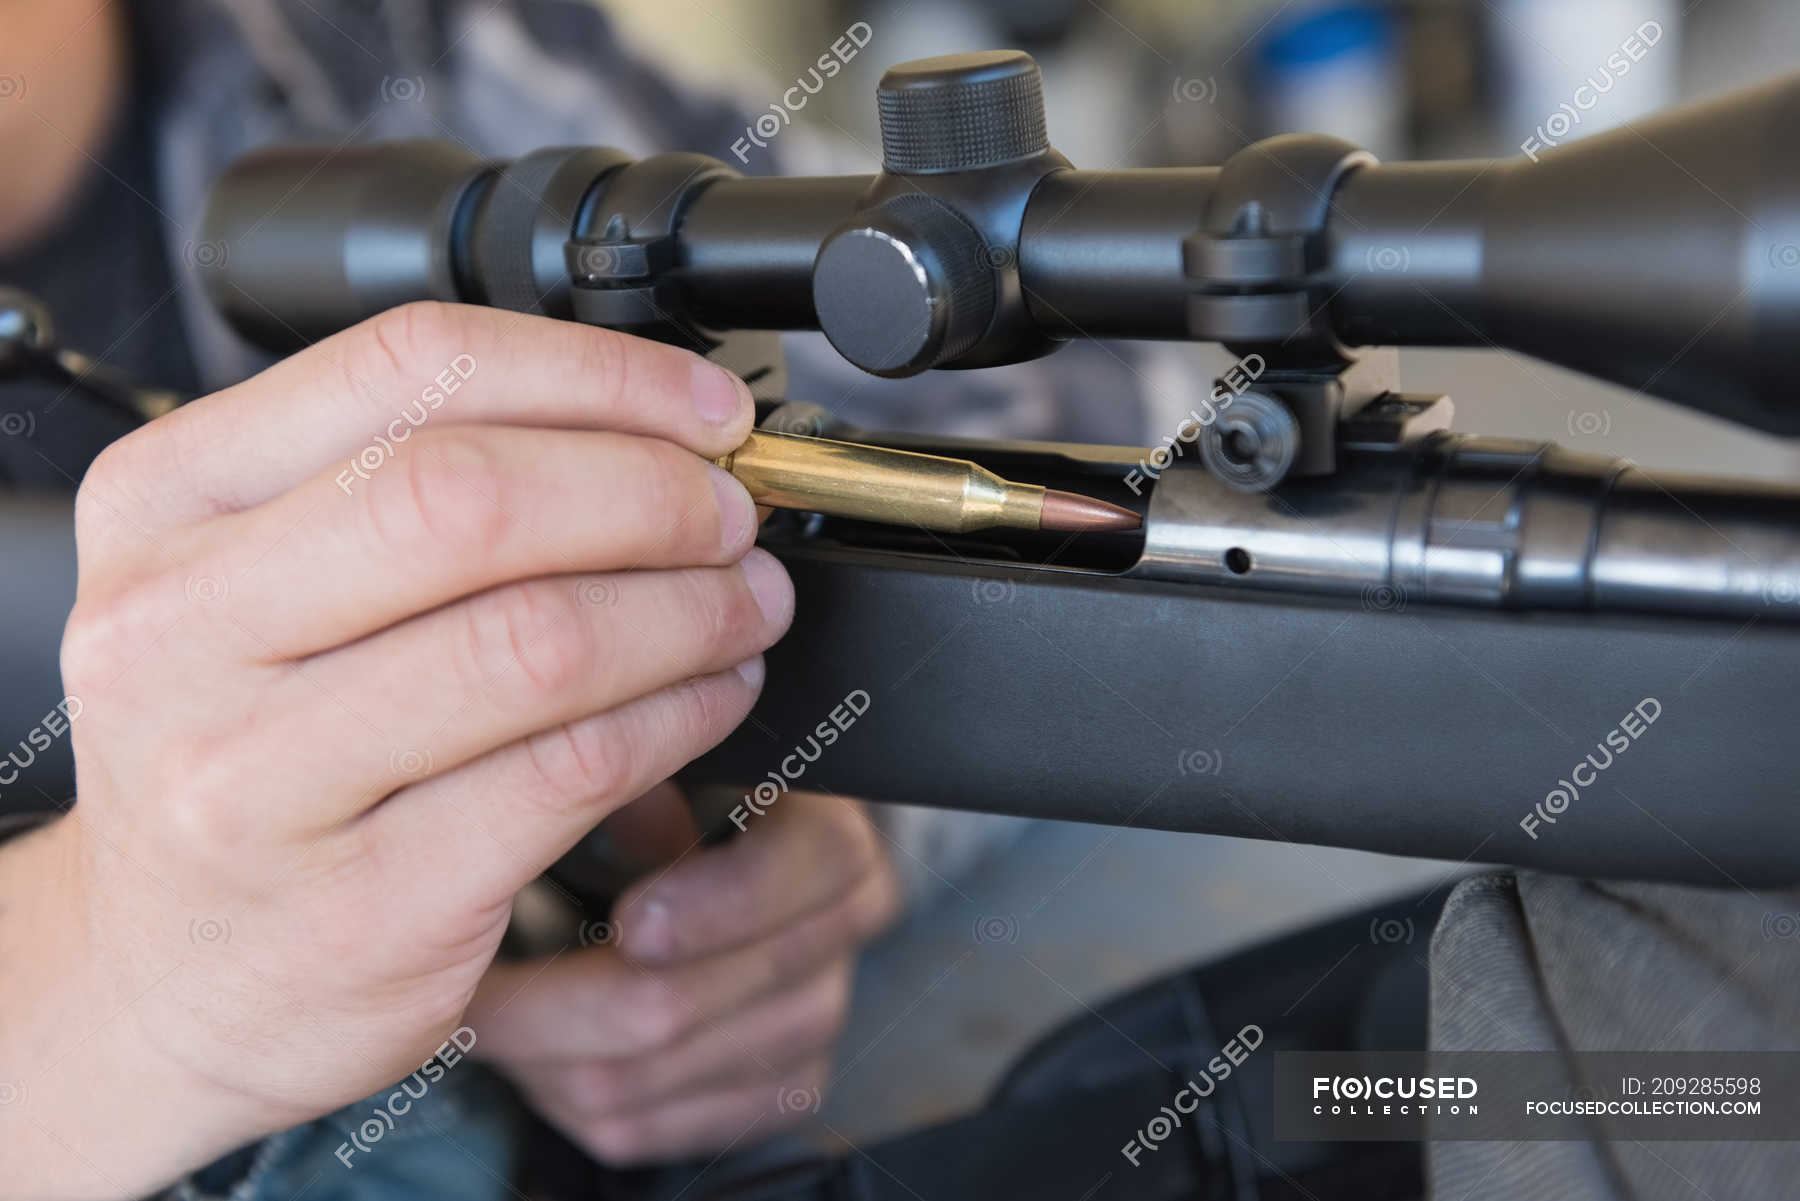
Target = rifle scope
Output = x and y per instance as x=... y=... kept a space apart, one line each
x=1664 y=256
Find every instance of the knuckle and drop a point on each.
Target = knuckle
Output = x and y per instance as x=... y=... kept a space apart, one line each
x=707 y=712
x=841 y=836
x=605 y=360
x=721 y=610
x=579 y=762
x=598 y=1088
x=93 y=648
x=684 y=512
x=447 y=500
x=656 y=1016
x=701 y=714
x=106 y=634
x=803 y=948
x=404 y=342
x=669 y=495
x=125 y=482
x=194 y=822
x=839 y=930
x=97 y=499
x=677 y=479
x=530 y=639
x=852 y=835
x=200 y=810
x=871 y=857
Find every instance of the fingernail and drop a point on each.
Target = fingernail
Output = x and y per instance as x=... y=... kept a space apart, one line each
x=769 y=584
x=719 y=396
x=737 y=512
x=751 y=670
x=653 y=932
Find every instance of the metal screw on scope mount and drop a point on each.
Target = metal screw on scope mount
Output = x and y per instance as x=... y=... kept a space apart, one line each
x=1252 y=446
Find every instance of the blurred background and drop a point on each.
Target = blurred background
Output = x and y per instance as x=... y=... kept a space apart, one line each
x=1075 y=915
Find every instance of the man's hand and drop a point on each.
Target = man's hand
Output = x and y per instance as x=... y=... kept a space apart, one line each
x=710 y=1017
x=362 y=646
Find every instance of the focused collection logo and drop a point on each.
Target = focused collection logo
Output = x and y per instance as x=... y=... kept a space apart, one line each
x=1388 y=1096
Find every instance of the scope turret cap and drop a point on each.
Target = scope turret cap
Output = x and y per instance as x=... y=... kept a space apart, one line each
x=961 y=112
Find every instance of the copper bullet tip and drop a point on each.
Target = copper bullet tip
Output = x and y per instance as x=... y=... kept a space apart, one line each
x=1069 y=511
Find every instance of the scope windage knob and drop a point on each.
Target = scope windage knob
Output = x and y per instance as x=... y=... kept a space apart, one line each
x=959 y=112
x=904 y=287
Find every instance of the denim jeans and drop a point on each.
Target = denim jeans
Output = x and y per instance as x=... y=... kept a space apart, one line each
x=456 y=1142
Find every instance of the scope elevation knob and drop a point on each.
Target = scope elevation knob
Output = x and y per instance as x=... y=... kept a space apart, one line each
x=903 y=286
x=960 y=112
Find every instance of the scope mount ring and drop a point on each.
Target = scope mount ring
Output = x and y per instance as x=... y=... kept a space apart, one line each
x=1255 y=255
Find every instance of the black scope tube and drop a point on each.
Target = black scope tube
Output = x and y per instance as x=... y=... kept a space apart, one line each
x=1100 y=251
x=1664 y=256
x=748 y=247
x=1611 y=258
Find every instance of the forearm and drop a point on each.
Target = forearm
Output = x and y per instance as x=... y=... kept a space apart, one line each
x=88 y=1107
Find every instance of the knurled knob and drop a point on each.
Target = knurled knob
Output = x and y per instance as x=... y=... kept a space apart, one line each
x=959 y=112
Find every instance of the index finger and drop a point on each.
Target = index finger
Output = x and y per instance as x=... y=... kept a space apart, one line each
x=349 y=399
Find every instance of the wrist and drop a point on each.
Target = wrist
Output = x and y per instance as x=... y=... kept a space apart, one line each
x=87 y=1095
